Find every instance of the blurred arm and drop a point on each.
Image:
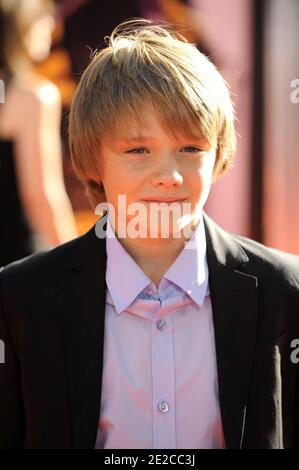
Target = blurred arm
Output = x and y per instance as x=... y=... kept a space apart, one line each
x=39 y=165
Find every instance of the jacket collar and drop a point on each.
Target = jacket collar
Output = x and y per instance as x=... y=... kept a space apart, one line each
x=235 y=309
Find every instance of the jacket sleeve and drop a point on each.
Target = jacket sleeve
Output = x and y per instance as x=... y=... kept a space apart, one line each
x=12 y=429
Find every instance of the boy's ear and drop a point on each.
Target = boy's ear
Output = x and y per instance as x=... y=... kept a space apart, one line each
x=224 y=165
x=219 y=168
x=221 y=165
x=216 y=170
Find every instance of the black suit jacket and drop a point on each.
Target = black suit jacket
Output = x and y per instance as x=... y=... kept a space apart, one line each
x=52 y=311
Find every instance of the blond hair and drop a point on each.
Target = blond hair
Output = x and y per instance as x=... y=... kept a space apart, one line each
x=16 y=18
x=147 y=63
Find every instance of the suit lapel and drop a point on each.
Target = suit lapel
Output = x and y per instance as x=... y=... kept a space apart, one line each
x=83 y=304
x=234 y=303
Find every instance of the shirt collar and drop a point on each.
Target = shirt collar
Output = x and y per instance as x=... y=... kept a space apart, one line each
x=190 y=269
x=125 y=279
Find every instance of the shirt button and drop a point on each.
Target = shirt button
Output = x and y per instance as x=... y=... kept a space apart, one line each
x=163 y=406
x=161 y=324
x=148 y=293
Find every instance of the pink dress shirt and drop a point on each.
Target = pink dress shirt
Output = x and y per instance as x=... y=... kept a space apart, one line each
x=160 y=385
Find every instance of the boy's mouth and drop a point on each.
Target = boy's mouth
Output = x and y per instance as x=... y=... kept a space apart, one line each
x=165 y=200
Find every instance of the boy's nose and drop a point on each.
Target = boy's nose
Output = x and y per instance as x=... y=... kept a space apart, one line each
x=171 y=178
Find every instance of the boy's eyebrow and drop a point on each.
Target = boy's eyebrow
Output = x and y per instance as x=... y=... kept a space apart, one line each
x=144 y=138
x=138 y=138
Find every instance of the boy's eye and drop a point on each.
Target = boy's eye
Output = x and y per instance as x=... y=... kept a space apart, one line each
x=191 y=149
x=188 y=149
x=138 y=150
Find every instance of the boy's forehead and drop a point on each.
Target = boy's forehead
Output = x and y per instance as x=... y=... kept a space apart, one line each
x=144 y=120
x=131 y=133
x=147 y=125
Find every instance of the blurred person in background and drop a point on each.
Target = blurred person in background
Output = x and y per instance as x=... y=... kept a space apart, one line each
x=33 y=200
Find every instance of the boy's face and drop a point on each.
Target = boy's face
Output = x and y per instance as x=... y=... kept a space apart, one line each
x=156 y=166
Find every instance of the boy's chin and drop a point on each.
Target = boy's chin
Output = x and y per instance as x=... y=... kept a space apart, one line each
x=178 y=230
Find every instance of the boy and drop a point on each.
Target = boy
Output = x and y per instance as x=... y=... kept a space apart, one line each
x=159 y=330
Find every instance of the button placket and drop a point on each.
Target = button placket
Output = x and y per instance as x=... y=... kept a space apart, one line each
x=163 y=374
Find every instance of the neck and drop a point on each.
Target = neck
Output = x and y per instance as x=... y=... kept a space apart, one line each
x=155 y=255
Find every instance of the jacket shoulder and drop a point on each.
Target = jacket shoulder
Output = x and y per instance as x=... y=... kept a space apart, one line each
x=38 y=267
x=278 y=264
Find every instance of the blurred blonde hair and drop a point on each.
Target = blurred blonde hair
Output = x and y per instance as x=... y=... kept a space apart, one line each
x=147 y=64
x=16 y=18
